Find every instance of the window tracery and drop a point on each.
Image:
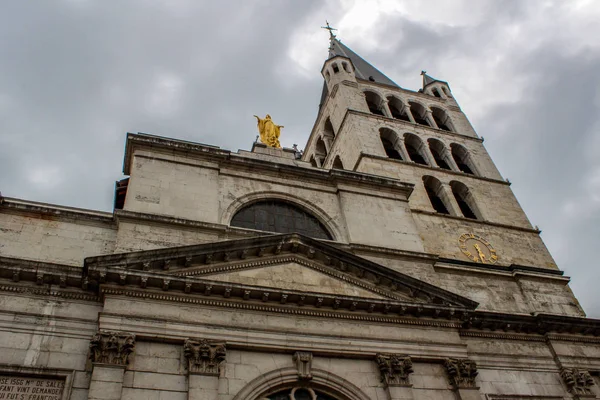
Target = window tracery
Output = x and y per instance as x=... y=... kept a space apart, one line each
x=281 y=217
x=299 y=393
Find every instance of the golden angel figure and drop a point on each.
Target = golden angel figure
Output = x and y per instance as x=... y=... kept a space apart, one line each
x=269 y=132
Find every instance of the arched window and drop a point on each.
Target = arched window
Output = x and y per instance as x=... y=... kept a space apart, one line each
x=345 y=66
x=299 y=393
x=327 y=76
x=313 y=162
x=397 y=109
x=375 y=103
x=328 y=129
x=441 y=119
x=281 y=217
x=435 y=92
x=336 y=68
x=320 y=151
x=462 y=159
x=337 y=163
x=414 y=147
x=465 y=200
x=435 y=192
x=446 y=92
x=439 y=152
x=419 y=113
x=390 y=141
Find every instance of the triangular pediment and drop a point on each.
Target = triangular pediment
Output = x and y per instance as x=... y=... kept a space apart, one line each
x=296 y=276
x=288 y=269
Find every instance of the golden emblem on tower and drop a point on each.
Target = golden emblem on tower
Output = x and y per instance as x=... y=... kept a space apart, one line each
x=269 y=131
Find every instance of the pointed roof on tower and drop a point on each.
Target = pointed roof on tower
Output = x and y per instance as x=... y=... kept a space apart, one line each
x=428 y=79
x=363 y=69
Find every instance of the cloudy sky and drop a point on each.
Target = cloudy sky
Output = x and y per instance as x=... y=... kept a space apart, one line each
x=76 y=75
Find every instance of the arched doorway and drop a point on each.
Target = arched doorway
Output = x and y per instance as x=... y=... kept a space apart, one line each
x=299 y=393
x=282 y=383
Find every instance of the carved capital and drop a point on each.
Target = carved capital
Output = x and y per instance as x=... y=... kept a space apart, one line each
x=461 y=372
x=303 y=362
x=394 y=369
x=204 y=357
x=577 y=381
x=107 y=347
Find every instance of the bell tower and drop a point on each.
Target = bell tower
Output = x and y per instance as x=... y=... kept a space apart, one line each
x=464 y=210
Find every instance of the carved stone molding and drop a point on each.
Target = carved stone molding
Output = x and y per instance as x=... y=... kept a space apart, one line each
x=109 y=347
x=577 y=381
x=461 y=372
x=204 y=356
x=394 y=369
x=303 y=360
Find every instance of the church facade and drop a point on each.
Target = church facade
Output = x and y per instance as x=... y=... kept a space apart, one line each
x=389 y=260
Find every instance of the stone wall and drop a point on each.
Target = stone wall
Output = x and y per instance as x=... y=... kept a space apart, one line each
x=53 y=234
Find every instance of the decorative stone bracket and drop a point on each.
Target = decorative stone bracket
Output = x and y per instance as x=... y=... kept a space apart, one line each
x=303 y=362
x=108 y=347
x=461 y=372
x=578 y=382
x=204 y=357
x=394 y=369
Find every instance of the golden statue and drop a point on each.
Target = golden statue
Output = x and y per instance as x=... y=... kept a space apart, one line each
x=269 y=132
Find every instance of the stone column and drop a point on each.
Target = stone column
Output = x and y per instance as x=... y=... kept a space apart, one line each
x=578 y=382
x=406 y=109
x=403 y=151
x=451 y=202
x=430 y=119
x=461 y=375
x=427 y=151
x=205 y=359
x=109 y=353
x=451 y=161
x=386 y=109
x=394 y=371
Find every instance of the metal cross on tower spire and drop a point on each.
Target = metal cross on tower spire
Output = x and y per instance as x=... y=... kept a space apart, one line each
x=330 y=29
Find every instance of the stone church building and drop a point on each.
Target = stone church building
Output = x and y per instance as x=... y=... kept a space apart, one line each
x=389 y=260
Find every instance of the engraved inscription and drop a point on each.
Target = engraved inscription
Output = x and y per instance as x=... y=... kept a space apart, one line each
x=27 y=388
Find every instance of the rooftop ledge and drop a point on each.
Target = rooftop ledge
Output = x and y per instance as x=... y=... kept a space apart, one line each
x=219 y=155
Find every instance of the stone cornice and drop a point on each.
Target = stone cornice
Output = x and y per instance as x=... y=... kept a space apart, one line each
x=411 y=125
x=220 y=301
x=501 y=335
x=275 y=245
x=144 y=284
x=511 y=270
x=231 y=159
x=537 y=324
x=227 y=294
x=59 y=212
x=475 y=221
x=430 y=168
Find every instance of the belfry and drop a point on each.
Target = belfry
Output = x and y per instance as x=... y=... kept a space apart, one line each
x=388 y=260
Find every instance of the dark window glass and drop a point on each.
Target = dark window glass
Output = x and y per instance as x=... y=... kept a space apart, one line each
x=414 y=154
x=301 y=394
x=464 y=167
x=390 y=150
x=280 y=217
x=438 y=159
x=437 y=203
x=464 y=207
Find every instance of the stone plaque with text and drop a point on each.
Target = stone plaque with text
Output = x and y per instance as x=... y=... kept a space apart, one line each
x=29 y=388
